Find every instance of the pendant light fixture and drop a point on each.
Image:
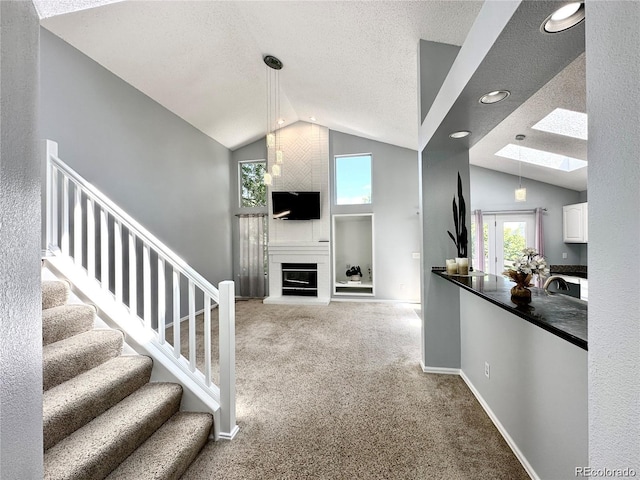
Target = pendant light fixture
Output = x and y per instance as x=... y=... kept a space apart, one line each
x=274 y=122
x=520 y=193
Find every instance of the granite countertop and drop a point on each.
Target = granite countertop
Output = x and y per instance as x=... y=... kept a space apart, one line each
x=559 y=314
x=569 y=270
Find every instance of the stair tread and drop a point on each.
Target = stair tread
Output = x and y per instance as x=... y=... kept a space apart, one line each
x=64 y=321
x=76 y=402
x=54 y=293
x=67 y=358
x=169 y=451
x=101 y=445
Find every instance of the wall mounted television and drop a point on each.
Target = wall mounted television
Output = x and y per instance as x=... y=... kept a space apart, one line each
x=296 y=205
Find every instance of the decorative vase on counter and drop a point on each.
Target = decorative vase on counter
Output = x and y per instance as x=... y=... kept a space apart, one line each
x=527 y=265
x=520 y=294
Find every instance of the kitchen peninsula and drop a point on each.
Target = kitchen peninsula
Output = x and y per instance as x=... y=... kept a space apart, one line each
x=559 y=314
x=528 y=369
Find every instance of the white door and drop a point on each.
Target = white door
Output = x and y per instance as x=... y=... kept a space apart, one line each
x=507 y=236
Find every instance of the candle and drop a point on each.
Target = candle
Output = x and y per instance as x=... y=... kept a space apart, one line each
x=463 y=266
x=452 y=267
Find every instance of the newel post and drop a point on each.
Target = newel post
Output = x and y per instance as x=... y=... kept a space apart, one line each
x=227 y=319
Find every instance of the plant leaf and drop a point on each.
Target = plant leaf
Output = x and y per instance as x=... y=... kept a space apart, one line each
x=455 y=218
x=463 y=237
x=452 y=238
x=463 y=242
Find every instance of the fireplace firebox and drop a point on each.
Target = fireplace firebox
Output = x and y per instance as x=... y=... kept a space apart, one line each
x=300 y=279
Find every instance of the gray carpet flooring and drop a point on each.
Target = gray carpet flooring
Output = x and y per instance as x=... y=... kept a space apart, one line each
x=337 y=392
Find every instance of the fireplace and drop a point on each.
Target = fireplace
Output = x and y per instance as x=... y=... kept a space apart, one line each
x=300 y=279
x=308 y=259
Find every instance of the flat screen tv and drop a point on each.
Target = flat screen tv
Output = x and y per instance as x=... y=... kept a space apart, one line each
x=296 y=205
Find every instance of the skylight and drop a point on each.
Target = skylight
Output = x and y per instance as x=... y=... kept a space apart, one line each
x=541 y=158
x=564 y=122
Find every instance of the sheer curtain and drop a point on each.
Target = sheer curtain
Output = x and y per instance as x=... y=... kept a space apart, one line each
x=479 y=241
x=538 y=240
x=252 y=254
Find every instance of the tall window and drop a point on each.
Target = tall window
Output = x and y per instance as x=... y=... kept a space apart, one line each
x=253 y=191
x=353 y=179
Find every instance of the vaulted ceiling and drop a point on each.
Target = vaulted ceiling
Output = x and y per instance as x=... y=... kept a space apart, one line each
x=350 y=64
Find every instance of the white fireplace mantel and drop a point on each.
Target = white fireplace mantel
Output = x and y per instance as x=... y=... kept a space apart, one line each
x=299 y=252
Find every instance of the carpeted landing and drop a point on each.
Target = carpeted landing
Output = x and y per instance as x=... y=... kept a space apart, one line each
x=337 y=392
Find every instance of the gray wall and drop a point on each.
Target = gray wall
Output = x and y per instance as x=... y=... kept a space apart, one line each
x=537 y=385
x=20 y=292
x=395 y=207
x=491 y=190
x=166 y=174
x=613 y=106
x=441 y=305
x=435 y=62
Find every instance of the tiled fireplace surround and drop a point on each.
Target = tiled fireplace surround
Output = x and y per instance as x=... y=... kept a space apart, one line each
x=305 y=168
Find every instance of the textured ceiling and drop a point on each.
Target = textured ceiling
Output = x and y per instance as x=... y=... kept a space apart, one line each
x=352 y=65
x=542 y=72
x=566 y=90
x=51 y=8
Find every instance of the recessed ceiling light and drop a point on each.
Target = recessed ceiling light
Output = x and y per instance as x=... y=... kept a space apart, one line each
x=541 y=158
x=460 y=134
x=313 y=119
x=494 y=97
x=564 y=18
x=564 y=122
x=281 y=121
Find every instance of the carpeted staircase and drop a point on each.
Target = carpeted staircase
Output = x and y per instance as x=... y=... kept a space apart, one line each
x=102 y=417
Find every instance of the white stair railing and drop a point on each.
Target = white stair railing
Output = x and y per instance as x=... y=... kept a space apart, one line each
x=105 y=243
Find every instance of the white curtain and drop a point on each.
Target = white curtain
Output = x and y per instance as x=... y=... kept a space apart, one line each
x=252 y=255
x=538 y=240
x=479 y=241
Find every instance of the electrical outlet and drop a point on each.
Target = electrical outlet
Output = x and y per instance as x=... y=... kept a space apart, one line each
x=564 y=255
x=487 y=370
x=415 y=255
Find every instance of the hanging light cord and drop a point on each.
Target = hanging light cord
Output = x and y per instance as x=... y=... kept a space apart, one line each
x=520 y=137
x=519 y=168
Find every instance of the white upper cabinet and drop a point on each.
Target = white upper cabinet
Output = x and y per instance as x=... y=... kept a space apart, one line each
x=575 y=224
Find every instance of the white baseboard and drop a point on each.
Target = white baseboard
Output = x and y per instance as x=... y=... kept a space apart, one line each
x=439 y=370
x=231 y=435
x=503 y=431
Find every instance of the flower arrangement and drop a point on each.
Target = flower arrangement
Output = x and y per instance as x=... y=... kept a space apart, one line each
x=530 y=263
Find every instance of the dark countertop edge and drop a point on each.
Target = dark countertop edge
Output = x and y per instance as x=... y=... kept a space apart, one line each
x=570 y=274
x=578 y=342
